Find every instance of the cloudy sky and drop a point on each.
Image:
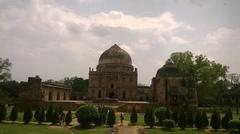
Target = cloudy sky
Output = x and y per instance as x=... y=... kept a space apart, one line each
x=63 y=38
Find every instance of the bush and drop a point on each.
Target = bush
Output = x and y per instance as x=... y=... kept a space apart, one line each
x=39 y=115
x=103 y=111
x=175 y=116
x=198 y=120
x=3 y=112
x=234 y=124
x=55 y=117
x=182 y=121
x=167 y=114
x=111 y=118
x=133 y=116
x=205 y=121
x=215 y=120
x=68 y=118
x=160 y=114
x=86 y=115
x=27 y=116
x=14 y=114
x=190 y=119
x=149 y=117
x=169 y=123
x=49 y=114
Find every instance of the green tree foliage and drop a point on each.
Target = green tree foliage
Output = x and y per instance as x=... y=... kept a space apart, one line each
x=27 y=116
x=168 y=123
x=55 y=117
x=198 y=120
x=205 y=121
x=14 y=114
x=103 y=111
x=5 y=66
x=9 y=91
x=182 y=121
x=133 y=116
x=167 y=114
x=111 y=118
x=234 y=124
x=39 y=115
x=160 y=113
x=60 y=110
x=215 y=120
x=190 y=119
x=175 y=116
x=49 y=114
x=68 y=118
x=3 y=112
x=210 y=77
x=86 y=115
x=77 y=84
x=149 y=118
x=226 y=118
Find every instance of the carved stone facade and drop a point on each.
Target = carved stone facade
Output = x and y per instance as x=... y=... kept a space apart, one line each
x=114 y=78
x=173 y=89
x=35 y=92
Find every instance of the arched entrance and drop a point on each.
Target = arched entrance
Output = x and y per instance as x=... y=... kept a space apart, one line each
x=111 y=95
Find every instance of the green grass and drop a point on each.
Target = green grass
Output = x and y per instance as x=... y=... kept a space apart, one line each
x=177 y=131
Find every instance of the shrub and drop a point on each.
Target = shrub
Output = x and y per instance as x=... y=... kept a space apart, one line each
x=182 y=121
x=169 y=123
x=215 y=120
x=133 y=116
x=160 y=114
x=103 y=111
x=27 y=116
x=86 y=115
x=14 y=114
x=68 y=118
x=111 y=118
x=234 y=124
x=198 y=120
x=175 y=116
x=39 y=115
x=149 y=117
x=205 y=121
x=167 y=114
x=49 y=114
x=55 y=117
x=3 y=112
x=190 y=119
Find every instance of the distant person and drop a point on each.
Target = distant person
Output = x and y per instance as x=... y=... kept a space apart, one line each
x=121 y=119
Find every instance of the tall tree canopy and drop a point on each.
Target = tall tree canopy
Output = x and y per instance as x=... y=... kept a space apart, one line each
x=210 y=77
x=5 y=66
x=77 y=83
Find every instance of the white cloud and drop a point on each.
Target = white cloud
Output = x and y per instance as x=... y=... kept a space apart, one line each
x=178 y=40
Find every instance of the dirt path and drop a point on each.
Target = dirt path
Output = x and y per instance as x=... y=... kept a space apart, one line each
x=125 y=129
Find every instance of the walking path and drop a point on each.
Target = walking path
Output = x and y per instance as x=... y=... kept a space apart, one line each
x=125 y=129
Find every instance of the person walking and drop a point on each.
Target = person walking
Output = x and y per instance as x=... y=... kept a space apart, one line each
x=121 y=119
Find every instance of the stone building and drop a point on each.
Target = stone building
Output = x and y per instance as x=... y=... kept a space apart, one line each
x=173 y=89
x=115 y=77
x=35 y=92
x=144 y=93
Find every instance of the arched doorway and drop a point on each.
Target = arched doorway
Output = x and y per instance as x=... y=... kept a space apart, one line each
x=111 y=95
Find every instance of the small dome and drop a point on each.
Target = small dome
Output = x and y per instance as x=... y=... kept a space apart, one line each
x=169 y=69
x=115 y=55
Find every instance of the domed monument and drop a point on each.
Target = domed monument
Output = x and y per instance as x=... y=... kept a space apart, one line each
x=115 y=77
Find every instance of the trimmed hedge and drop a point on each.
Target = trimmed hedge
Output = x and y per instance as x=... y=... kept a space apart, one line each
x=87 y=114
x=168 y=123
x=234 y=124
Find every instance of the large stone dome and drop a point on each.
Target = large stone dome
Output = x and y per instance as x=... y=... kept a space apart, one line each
x=169 y=69
x=115 y=55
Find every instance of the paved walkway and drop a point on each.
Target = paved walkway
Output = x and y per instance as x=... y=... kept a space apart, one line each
x=125 y=129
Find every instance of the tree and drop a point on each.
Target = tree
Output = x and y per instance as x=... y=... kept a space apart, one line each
x=204 y=120
x=226 y=118
x=149 y=118
x=3 y=112
x=14 y=114
x=169 y=123
x=167 y=114
x=49 y=114
x=39 y=115
x=198 y=120
x=87 y=114
x=182 y=121
x=160 y=113
x=215 y=120
x=209 y=76
x=68 y=119
x=5 y=66
x=27 y=116
x=175 y=116
x=78 y=84
x=54 y=118
x=133 y=116
x=190 y=119
x=111 y=119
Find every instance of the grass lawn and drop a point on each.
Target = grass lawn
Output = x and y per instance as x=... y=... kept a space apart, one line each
x=8 y=128
x=176 y=131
